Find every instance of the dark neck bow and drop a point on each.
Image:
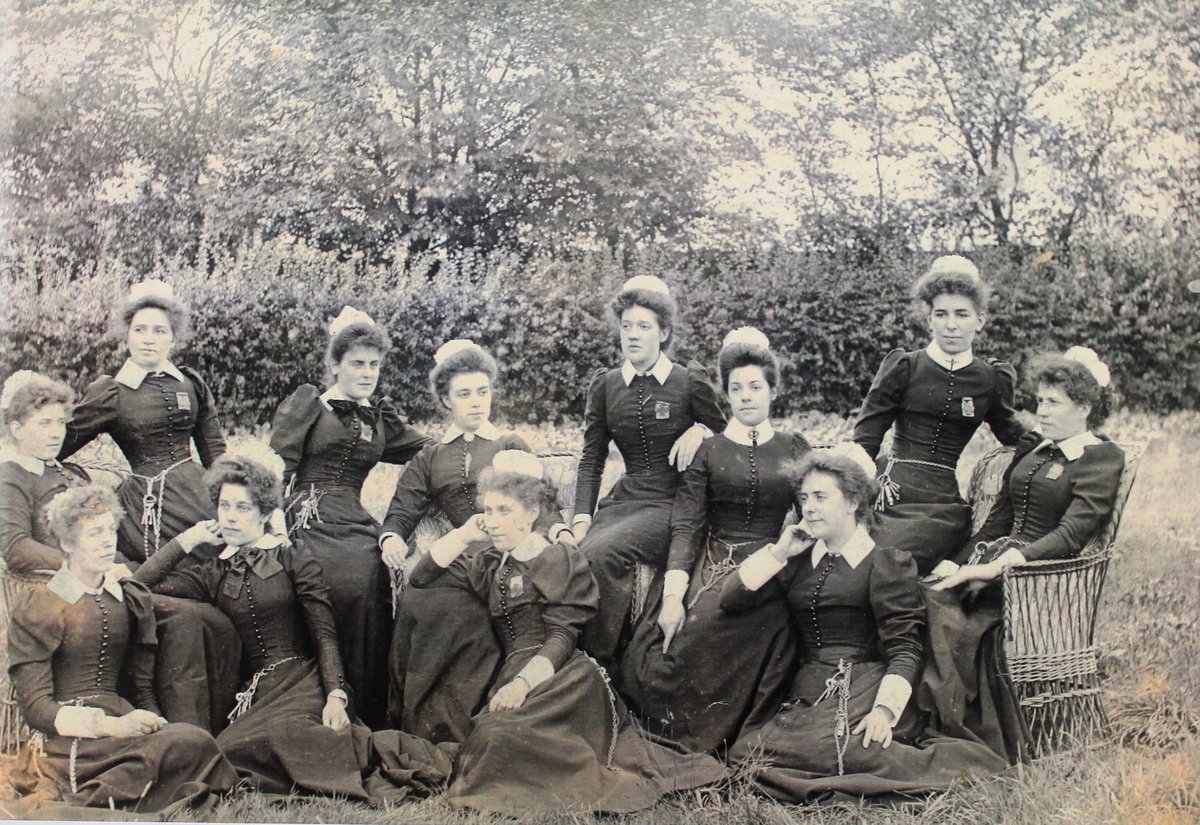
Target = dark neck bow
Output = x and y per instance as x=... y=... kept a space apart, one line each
x=259 y=560
x=346 y=410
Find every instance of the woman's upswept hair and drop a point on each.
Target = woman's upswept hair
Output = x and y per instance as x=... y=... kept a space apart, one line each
x=529 y=491
x=1077 y=381
x=68 y=508
x=360 y=334
x=472 y=359
x=35 y=392
x=737 y=355
x=176 y=311
x=942 y=282
x=852 y=480
x=663 y=307
x=261 y=484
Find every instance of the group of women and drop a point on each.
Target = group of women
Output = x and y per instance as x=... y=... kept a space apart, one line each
x=234 y=628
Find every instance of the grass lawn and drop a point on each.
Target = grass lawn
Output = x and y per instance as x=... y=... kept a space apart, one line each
x=1147 y=771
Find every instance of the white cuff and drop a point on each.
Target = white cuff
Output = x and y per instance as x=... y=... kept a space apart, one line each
x=386 y=536
x=77 y=722
x=893 y=694
x=338 y=693
x=675 y=583
x=446 y=549
x=944 y=568
x=1010 y=557
x=556 y=530
x=581 y=518
x=760 y=568
x=536 y=670
x=278 y=523
x=705 y=428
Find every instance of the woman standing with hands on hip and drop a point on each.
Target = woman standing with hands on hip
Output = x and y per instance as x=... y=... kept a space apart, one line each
x=658 y=414
x=937 y=397
x=329 y=441
x=443 y=650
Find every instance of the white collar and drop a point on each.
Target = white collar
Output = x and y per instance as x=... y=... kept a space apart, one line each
x=132 y=376
x=945 y=359
x=1072 y=447
x=857 y=548
x=487 y=431
x=335 y=393
x=739 y=433
x=26 y=462
x=531 y=548
x=266 y=542
x=661 y=370
x=67 y=586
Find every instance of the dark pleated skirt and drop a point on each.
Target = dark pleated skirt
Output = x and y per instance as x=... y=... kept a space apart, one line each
x=345 y=541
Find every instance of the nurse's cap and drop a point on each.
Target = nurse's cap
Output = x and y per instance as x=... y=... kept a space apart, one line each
x=453 y=347
x=649 y=283
x=750 y=336
x=955 y=264
x=348 y=316
x=151 y=288
x=519 y=462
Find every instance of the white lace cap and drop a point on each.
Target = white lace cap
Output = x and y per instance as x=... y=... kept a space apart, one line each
x=453 y=347
x=151 y=288
x=750 y=336
x=956 y=264
x=14 y=382
x=854 y=452
x=517 y=461
x=650 y=283
x=1088 y=357
x=349 y=315
x=258 y=451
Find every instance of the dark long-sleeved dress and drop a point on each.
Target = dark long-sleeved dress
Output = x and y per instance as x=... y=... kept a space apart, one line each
x=277 y=599
x=68 y=647
x=936 y=412
x=571 y=745
x=328 y=450
x=632 y=524
x=722 y=669
x=857 y=624
x=444 y=653
x=1049 y=507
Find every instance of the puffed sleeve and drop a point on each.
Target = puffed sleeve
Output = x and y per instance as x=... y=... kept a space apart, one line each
x=999 y=519
x=309 y=580
x=596 y=438
x=291 y=425
x=199 y=582
x=22 y=552
x=210 y=443
x=143 y=644
x=402 y=441
x=1096 y=478
x=570 y=598
x=35 y=632
x=882 y=404
x=899 y=611
x=95 y=413
x=689 y=512
x=1002 y=414
x=413 y=496
x=702 y=396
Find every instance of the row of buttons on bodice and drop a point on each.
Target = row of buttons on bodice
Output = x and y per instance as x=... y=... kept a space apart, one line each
x=466 y=471
x=937 y=430
x=179 y=423
x=502 y=586
x=826 y=569
x=641 y=381
x=752 y=491
x=102 y=659
x=1026 y=485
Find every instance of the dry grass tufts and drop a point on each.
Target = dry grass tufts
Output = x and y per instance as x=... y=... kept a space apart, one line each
x=1152 y=716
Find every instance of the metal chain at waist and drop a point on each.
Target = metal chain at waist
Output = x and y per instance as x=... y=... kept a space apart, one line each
x=718 y=570
x=839 y=685
x=612 y=706
x=399 y=579
x=310 y=508
x=246 y=697
x=152 y=506
x=889 y=491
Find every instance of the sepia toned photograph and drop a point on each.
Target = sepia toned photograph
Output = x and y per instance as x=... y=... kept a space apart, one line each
x=759 y=411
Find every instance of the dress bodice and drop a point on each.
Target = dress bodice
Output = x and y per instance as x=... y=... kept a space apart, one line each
x=25 y=540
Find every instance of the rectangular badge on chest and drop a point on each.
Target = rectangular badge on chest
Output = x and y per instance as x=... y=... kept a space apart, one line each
x=366 y=433
x=516 y=586
x=1055 y=471
x=968 y=407
x=662 y=410
x=183 y=401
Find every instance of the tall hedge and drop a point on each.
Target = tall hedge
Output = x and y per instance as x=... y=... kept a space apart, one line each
x=260 y=313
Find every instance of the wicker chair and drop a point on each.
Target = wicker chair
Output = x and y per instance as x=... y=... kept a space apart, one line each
x=1050 y=618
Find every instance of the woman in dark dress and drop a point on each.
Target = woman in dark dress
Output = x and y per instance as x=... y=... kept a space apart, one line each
x=329 y=442
x=847 y=725
x=1057 y=493
x=693 y=672
x=658 y=414
x=290 y=728
x=155 y=411
x=444 y=653
x=937 y=398
x=554 y=735
x=70 y=640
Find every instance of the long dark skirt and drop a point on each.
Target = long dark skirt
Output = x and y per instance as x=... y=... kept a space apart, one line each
x=571 y=747
x=443 y=660
x=184 y=502
x=721 y=671
x=929 y=520
x=796 y=752
x=623 y=534
x=177 y=766
x=344 y=540
x=198 y=664
x=963 y=686
x=279 y=745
